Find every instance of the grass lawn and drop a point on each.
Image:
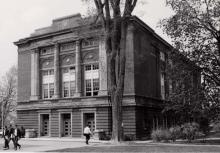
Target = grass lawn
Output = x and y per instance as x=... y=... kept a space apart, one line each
x=144 y=147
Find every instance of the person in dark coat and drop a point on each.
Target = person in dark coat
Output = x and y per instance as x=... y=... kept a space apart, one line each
x=11 y=130
x=6 y=136
x=16 y=136
x=22 y=132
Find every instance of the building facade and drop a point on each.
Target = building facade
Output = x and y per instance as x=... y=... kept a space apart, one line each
x=62 y=80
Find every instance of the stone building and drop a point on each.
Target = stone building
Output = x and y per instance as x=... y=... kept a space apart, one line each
x=62 y=79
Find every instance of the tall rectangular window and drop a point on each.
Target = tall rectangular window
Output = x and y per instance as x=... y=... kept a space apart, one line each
x=162 y=82
x=51 y=90
x=47 y=84
x=162 y=56
x=69 y=83
x=92 y=79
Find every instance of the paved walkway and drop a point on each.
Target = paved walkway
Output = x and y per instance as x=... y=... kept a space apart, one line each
x=46 y=144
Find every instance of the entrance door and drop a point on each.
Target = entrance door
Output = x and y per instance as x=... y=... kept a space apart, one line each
x=45 y=125
x=89 y=119
x=66 y=125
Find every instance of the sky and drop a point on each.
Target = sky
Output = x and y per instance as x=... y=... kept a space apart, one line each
x=19 y=18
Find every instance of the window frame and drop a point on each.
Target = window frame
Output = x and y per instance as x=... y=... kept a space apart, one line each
x=70 y=91
x=47 y=91
x=92 y=68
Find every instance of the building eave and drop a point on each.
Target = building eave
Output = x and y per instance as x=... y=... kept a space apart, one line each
x=145 y=26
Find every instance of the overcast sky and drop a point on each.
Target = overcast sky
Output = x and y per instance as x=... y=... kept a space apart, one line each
x=19 y=18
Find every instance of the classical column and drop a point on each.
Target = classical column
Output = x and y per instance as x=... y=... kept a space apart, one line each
x=56 y=71
x=78 y=70
x=102 y=67
x=35 y=74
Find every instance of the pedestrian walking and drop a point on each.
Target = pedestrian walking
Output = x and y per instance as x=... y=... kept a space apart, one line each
x=11 y=130
x=87 y=133
x=6 y=137
x=17 y=136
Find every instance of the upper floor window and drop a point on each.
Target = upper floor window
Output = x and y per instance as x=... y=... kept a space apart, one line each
x=68 y=81
x=162 y=83
x=91 y=79
x=47 y=84
x=162 y=56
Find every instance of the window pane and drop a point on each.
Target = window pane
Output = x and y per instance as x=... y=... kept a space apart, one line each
x=95 y=66
x=162 y=56
x=88 y=87
x=51 y=72
x=162 y=81
x=95 y=84
x=65 y=89
x=51 y=90
x=45 y=91
x=95 y=93
x=88 y=67
x=72 y=70
x=72 y=88
x=44 y=73
x=88 y=94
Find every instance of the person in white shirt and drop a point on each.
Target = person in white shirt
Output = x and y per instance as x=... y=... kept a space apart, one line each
x=87 y=133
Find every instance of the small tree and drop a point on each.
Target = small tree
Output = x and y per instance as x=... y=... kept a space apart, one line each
x=8 y=93
x=195 y=29
x=186 y=97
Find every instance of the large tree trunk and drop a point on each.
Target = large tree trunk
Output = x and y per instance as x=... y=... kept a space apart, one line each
x=117 y=89
x=115 y=24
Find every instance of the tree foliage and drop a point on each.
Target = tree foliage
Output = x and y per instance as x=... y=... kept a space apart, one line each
x=186 y=97
x=195 y=30
x=8 y=93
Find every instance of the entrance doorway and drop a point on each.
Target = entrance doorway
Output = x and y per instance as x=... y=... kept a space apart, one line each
x=89 y=119
x=45 y=128
x=65 y=125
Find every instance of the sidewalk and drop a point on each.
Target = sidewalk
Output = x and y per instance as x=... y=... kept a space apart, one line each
x=46 y=144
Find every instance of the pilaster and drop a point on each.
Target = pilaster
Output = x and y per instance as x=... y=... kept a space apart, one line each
x=35 y=74
x=78 y=70
x=102 y=67
x=56 y=71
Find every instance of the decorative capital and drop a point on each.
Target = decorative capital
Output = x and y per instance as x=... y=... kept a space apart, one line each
x=78 y=42
x=56 y=45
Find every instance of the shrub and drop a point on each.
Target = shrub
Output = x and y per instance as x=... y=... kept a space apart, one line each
x=175 y=133
x=160 y=134
x=166 y=136
x=216 y=127
x=204 y=125
x=190 y=131
x=129 y=137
